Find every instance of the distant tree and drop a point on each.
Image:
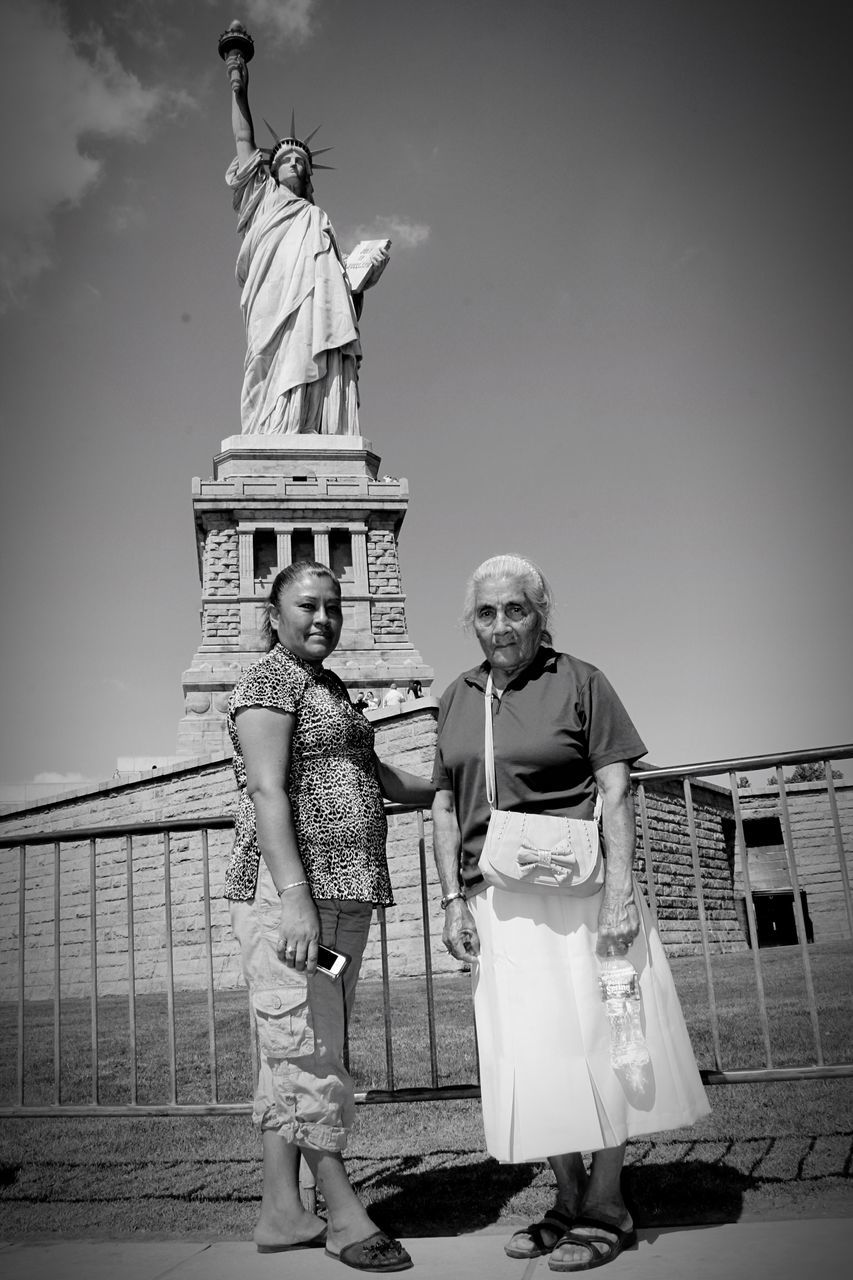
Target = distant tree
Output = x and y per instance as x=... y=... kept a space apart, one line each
x=814 y=772
x=743 y=781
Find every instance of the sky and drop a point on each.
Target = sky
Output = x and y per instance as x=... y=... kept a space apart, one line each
x=615 y=336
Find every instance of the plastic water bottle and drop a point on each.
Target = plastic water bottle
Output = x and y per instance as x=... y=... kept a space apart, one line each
x=620 y=991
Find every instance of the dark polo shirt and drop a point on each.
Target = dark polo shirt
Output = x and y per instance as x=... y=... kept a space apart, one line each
x=556 y=723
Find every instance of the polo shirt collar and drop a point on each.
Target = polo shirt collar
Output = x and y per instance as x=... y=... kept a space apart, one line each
x=544 y=660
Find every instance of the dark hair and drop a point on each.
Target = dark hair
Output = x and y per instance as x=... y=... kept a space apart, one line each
x=286 y=578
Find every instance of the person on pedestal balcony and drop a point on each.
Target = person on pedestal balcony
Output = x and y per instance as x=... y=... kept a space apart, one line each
x=532 y=732
x=301 y=316
x=414 y=691
x=307 y=867
x=394 y=697
x=371 y=702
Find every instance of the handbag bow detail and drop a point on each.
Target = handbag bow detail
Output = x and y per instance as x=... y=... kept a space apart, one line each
x=531 y=856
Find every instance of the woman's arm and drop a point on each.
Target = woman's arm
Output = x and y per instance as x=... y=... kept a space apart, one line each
x=618 y=918
x=266 y=739
x=460 y=933
x=401 y=787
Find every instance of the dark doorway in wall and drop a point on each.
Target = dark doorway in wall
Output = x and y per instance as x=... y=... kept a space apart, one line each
x=301 y=546
x=775 y=920
x=340 y=555
x=264 y=554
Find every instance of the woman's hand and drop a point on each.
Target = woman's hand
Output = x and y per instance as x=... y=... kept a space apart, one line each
x=618 y=924
x=299 y=934
x=460 y=933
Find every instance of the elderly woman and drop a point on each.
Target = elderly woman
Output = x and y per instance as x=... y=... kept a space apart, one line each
x=307 y=868
x=561 y=736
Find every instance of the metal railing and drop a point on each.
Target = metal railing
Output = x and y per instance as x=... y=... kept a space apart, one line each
x=731 y=768
x=644 y=780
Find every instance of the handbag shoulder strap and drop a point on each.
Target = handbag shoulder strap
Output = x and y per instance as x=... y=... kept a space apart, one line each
x=489 y=747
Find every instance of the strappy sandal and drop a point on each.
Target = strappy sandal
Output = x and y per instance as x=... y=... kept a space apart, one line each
x=556 y=1222
x=613 y=1239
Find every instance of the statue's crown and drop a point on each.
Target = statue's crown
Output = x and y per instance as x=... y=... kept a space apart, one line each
x=281 y=144
x=284 y=143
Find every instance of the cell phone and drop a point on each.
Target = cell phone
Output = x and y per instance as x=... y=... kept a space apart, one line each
x=330 y=962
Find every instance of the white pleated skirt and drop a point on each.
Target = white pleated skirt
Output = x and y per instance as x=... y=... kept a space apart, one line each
x=544 y=1040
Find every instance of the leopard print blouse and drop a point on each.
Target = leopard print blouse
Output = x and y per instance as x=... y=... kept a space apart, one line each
x=333 y=787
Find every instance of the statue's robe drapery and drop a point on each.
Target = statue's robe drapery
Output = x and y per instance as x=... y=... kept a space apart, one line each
x=303 y=350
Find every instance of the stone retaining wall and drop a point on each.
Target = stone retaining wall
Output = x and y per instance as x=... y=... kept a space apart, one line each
x=672 y=882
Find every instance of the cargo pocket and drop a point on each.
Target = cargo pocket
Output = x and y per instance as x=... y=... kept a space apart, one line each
x=283 y=1018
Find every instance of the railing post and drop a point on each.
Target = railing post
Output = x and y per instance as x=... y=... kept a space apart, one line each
x=93 y=961
x=798 y=913
x=740 y=845
x=131 y=971
x=57 y=981
x=22 y=991
x=208 y=947
x=170 y=970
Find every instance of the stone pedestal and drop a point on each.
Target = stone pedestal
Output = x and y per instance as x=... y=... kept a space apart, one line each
x=274 y=500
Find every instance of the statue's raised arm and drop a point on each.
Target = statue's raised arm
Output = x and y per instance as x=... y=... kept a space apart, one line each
x=236 y=48
x=303 y=349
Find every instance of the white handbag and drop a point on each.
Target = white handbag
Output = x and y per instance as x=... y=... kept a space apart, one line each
x=520 y=847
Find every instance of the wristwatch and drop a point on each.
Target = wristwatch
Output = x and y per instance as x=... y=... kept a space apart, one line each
x=451 y=897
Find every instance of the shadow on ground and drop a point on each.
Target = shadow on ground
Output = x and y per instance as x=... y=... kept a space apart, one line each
x=426 y=1201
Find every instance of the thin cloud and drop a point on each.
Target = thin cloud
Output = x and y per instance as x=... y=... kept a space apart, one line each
x=60 y=779
x=116 y=685
x=122 y=218
x=400 y=231
x=69 y=89
x=282 y=19
x=145 y=24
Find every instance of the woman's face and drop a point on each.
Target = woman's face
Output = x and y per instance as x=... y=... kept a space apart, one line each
x=309 y=618
x=506 y=625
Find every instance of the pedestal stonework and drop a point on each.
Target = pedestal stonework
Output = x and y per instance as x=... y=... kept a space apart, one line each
x=274 y=500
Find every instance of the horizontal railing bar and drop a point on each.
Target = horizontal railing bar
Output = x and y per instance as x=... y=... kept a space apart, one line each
x=755 y=1075
x=369 y=1097
x=708 y=767
x=37 y=1112
x=220 y=823
x=79 y=834
x=442 y=1093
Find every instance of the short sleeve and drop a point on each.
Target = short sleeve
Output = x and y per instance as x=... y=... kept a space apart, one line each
x=271 y=685
x=611 y=735
x=441 y=779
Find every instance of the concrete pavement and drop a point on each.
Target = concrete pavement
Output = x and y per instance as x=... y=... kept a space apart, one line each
x=801 y=1249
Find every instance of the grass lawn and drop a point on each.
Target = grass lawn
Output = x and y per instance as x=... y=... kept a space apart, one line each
x=778 y=1148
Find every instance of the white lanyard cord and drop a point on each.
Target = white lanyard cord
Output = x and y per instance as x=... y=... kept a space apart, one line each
x=489 y=747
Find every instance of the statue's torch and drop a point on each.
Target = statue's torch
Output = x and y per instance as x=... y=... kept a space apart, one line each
x=236 y=40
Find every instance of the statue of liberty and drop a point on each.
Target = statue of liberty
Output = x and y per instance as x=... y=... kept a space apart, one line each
x=300 y=307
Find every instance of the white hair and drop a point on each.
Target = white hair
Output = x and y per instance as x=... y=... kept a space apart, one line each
x=536 y=588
